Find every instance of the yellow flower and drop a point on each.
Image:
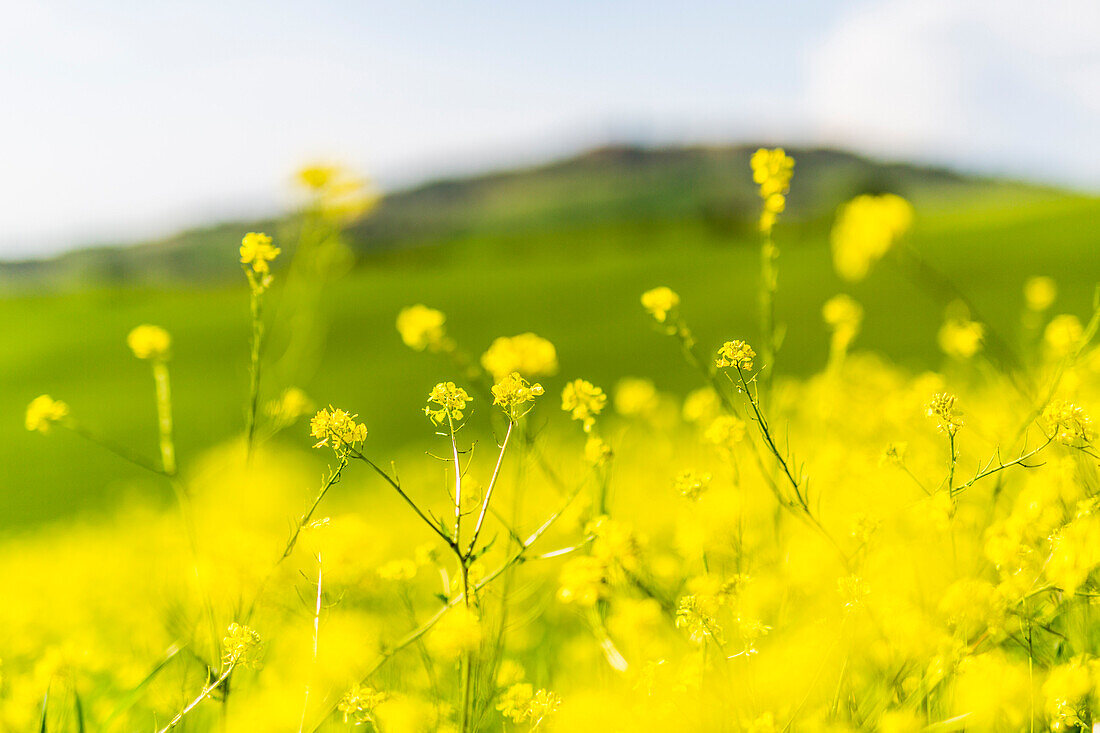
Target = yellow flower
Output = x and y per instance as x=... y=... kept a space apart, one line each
x=290 y=405
x=337 y=193
x=865 y=229
x=520 y=703
x=241 y=647
x=459 y=631
x=451 y=400
x=635 y=397
x=582 y=580
x=736 y=354
x=509 y=673
x=961 y=338
x=692 y=484
x=359 y=703
x=256 y=250
x=512 y=392
x=398 y=570
x=1040 y=292
x=317 y=176
x=422 y=327
x=725 y=430
x=583 y=401
x=530 y=355
x=596 y=450
x=948 y=418
x=43 y=412
x=149 y=342
x=336 y=428
x=701 y=406
x=772 y=171
x=514 y=701
x=1068 y=423
x=1063 y=334
x=660 y=302
x=844 y=315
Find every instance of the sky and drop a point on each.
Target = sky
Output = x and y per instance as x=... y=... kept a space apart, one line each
x=123 y=120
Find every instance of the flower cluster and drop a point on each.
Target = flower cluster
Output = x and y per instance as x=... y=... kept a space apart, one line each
x=359 y=703
x=844 y=316
x=865 y=230
x=459 y=631
x=692 y=484
x=289 y=406
x=336 y=428
x=943 y=410
x=636 y=397
x=43 y=412
x=513 y=392
x=241 y=647
x=583 y=401
x=1068 y=423
x=256 y=250
x=660 y=302
x=772 y=171
x=521 y=703
x=530 y=355
x=736 y=354
x=149 y=342
x=338 y=194
x=450 y=400
x=422 y=328
x=961 y=338
x=1063 y=335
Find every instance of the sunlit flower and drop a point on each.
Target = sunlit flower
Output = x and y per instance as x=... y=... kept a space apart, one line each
x=961 y=338
x=1039 y=293
x=583 y=401
x=43 y=412
x=735 y=354
x=660 y=302
x=256 y=250
x=513 y=392
x=241 y=647
x=149 y=342
x=336 y=428
x=450 y=400
x=865 y=229
x=422 y=327
x=530 y=355
x=942 y=408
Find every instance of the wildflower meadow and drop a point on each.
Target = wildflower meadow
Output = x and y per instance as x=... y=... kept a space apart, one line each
x=863 y=544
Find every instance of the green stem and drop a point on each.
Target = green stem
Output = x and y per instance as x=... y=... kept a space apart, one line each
x=164 y=417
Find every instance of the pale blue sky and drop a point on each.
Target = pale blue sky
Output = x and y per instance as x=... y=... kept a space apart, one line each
x=124 y=119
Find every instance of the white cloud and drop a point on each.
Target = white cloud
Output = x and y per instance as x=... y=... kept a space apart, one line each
x=1003 y=86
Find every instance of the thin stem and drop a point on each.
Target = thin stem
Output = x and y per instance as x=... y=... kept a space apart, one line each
x=458 y=481
x=316 y=636
x=408 y=500
x=769 y=282
x=116 y=448
x=489 y=490
x=164 y=417
x=256 y=310
x=415 y=634
x=333 y=478
x=202 y=696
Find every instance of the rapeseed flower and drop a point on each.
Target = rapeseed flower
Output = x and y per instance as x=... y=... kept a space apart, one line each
x=450 y=400
x=149 y=342
x=43 y=412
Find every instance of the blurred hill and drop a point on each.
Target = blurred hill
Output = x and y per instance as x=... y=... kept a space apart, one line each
x=619 y=185
x=564 y=250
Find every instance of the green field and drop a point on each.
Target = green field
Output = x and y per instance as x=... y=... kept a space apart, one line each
x=521 y=258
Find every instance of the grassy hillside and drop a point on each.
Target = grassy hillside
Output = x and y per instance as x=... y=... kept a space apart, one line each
x=564 y=250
